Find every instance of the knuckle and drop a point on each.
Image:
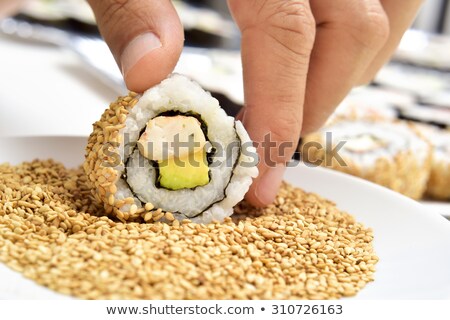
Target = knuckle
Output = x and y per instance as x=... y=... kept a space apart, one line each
x=290 y=23
x=378 y=24
x=292 y=19
x=371 y=24
x=114 y=8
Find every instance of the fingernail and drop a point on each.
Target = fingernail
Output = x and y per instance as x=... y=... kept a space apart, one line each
x=137 y=49
x=269 y=184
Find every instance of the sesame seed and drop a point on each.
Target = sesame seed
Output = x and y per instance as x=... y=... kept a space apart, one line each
x=133 y=209
x=169 y=216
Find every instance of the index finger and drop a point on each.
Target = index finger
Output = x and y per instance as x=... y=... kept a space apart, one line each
x=277 y=39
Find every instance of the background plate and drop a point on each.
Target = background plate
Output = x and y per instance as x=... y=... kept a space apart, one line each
x=413 y=243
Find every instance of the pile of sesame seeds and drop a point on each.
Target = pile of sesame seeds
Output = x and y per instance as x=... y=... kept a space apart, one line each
x=54 y=232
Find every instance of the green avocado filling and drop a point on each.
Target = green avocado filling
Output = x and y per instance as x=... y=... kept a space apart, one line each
x=184 y=173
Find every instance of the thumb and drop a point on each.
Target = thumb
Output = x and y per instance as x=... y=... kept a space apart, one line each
x=145 y=37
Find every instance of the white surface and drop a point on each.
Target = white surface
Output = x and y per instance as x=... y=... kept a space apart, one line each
x=47 y=91
x=442 y=208
x=413 y=244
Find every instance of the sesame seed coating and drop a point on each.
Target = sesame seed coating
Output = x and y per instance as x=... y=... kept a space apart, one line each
x=101 y=157
x=53 y=231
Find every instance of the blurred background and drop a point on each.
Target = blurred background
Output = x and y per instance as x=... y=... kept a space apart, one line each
x=52 y=55
x=57 y=75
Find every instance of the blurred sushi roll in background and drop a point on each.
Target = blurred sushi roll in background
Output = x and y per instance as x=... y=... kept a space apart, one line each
x=439 y=182
x=423 y=49
x=355 y=107
x=418 y=81
x=440 y=99
x=427 y=114
x=384 y=96
x=171 y=153
x=392 y=154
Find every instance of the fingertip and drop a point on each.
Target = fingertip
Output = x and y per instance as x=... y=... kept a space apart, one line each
x=150 y=69
x=145 y=37
x=265 y=188
x=250 y=198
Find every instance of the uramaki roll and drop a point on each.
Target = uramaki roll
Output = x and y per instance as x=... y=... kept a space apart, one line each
x=171 y=152
x=438 y=186
x=390 y=154
x=356 y=108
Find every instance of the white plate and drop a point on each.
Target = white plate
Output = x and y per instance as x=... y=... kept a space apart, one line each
x=413 y=244
x=440 y=207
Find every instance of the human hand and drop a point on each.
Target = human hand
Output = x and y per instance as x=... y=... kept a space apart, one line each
x=300 y=59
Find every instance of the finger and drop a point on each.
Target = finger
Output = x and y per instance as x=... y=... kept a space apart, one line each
x=349 y=35
x=277 y=39
x=400 y=13
x=10 y=7
x=240 y=114
x=145 y=37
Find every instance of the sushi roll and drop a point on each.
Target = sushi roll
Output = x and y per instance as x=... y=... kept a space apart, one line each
x=427 y=114
x=423 y=49
x=439 y=182
x=170 y=153
x=372 y=103
x=440 y=99
x=418 y=81
x=374 y=95
x=358 y=108
x=390 y=154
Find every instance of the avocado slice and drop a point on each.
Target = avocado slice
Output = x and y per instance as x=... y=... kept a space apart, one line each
x=187 y=172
